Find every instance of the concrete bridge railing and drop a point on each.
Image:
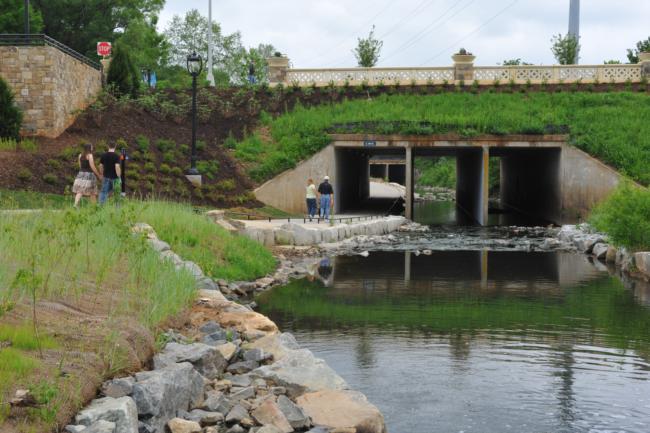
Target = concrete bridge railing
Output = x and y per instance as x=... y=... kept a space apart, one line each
x=463 y=69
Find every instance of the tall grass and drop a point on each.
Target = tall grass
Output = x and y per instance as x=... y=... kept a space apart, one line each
x=14 y=199
x=625 y=217
x=613 y=127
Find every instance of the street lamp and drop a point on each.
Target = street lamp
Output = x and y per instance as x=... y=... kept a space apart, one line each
x=194 y=67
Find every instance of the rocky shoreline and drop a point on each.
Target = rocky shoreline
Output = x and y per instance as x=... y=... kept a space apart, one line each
x=229 y=371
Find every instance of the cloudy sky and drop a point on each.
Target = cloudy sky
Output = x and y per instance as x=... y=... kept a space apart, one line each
x=322 y=33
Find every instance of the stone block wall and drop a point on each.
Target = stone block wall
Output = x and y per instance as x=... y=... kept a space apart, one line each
x=49 y=86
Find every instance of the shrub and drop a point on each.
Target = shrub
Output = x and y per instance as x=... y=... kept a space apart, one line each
x=121 y=143
x=28 y=145
x=151 y=178
x=226 y=185
x=8 y=144
x=625 y=217
x=176 y=171
x=122 y=74
x=142 y=143
x=208 y=168
x=149 y=167
x=164 y=169
x=184 y=149
x=50 y=178
x=24 y=174
x=69 y=153
x=164 y=145
x=169 y=157
x=200 y=145
x=54 y=164
x=11 y=117
x=230 y=142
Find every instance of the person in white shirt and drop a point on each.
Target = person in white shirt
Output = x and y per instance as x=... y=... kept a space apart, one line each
x=311 y=198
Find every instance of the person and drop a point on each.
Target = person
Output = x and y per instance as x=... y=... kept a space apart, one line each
x=311 y=198
x=251 y=73
x=110 y=169
x=326 y=197
x=85 y=184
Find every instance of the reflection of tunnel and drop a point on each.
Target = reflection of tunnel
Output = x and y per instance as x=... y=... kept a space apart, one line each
x=530 y=178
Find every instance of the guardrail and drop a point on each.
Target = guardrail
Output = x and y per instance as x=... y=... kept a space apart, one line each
x=304 y=219
x=556 y=74
x=40 y=40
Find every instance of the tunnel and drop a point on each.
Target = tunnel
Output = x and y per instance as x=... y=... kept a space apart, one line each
x=529 y=179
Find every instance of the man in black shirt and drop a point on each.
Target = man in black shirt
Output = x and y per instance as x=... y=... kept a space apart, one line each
x=110 y=169
x=326 y=193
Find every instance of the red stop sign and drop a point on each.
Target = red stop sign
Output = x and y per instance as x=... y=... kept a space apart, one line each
x=103 y=49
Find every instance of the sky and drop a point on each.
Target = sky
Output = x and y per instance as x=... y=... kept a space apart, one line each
x=322 y=33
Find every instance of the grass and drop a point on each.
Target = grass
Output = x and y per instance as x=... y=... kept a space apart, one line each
x=625 y=217
x=196 y=238
x=12 y=145
x=610 y=126
x=10 y=199
x=439 y=172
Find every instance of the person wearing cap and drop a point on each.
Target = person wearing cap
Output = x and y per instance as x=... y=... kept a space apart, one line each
x=326 y=193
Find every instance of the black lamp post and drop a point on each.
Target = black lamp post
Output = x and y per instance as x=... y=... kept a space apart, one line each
x=194 y=67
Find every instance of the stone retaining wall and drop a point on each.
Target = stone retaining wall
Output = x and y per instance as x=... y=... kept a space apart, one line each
x=49 y=85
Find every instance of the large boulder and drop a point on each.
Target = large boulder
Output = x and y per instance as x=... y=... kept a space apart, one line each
x=600 y=251
x=277 y=345
x=206 y=359
x=299 y=371
x=120 y=411
x=342 y=410
x=294 y=414
x=269 y=413
x=159 y=394
x=101 y=426
x=642 y=262
x=178 y=425
x=246 y=321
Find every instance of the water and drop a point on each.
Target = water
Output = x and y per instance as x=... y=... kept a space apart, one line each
x=478 y=341
x=446 y=213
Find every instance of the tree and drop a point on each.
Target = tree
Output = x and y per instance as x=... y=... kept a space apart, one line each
x=12 y=18
x=122 y=74
x=230 y=58
x=147 y=47
x=612 y=62
x=11 y=117
x=515 y=62
x=641 y=47
x=565 y=49
x=368 y=50
x=80 y=24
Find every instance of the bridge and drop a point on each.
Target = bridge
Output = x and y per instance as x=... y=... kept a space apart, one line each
x=542 y=176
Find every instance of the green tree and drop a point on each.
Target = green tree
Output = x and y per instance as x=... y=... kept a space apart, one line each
x=641 y=47
x=368 y=50
x=147 y=47
x=122 y=74
x=612 y=62
x=12 y=18
x=10 y=115
x=515 y=62
x=565 y=49
x=80 y=24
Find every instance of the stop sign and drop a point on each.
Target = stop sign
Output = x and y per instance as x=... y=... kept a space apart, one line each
x=103 y=49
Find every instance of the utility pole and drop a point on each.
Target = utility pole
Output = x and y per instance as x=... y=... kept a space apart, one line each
x=26 y=13
x=210 y=74
x=574 y=23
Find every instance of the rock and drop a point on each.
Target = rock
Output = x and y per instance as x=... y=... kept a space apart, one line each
x=300 y=371
x=158 y=245
x=178 y=425
x=276 y=344
x=210 y=327
x=205 y=418
x=23 y=398
x=642 y=262
x=121 y=411
x=600 y=251
x=610 y=257
x=242 y=367
x=342 y=410
x=74 y=428
x=264 y=282
x=295 y=415
x=278 y=390
x=117 y=388
x=319 y=429
x=241 y=380
x=101 y=426
x=217 y=401
x=145 y=229
x=243 y=394
x=586 y=243
x=269 y=428
x=172 y=257
x=269 y=413
x=216 y=338
x=206 y=359
x=247 y=321
x=257 y=355
x=206 y=284
x=236 y=429
x=193 y=269
x=237 y=414
x=227 y=350
x=160 y=394
x=145 y=428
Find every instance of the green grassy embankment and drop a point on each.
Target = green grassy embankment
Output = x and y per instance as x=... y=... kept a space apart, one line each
x=78 y=289
x=613 y=127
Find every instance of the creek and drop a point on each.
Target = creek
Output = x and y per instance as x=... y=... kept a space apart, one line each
x=481 y=335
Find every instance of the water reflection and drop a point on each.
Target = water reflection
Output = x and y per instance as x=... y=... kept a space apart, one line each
x=445 y=213
x=479 y=341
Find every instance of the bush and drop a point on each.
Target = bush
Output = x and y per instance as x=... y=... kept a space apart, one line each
x=625 y=217
x=11 y=117
x=69 y=153
x=177 y=171
x=149 y=167
x=54 y=164
x=169 y=157
x=50 y=178
x=230 y=142
x=122 y=74
x=164 y=145
x=142 y=143
x=208 y=168
x=226 y=185
x=165 y=169
x=200 y=145
x=24 y=174
x=28 y=145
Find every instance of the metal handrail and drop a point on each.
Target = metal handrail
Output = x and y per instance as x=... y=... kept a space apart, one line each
x=304 y=219
x=41 y=39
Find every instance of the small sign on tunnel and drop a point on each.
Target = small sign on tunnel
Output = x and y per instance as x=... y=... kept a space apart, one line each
x=369 y=143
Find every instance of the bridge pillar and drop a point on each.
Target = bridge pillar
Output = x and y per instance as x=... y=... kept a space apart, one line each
x=409 y=183
x=472 y=176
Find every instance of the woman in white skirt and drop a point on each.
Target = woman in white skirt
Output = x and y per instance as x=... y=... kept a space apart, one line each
x=85 y=184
